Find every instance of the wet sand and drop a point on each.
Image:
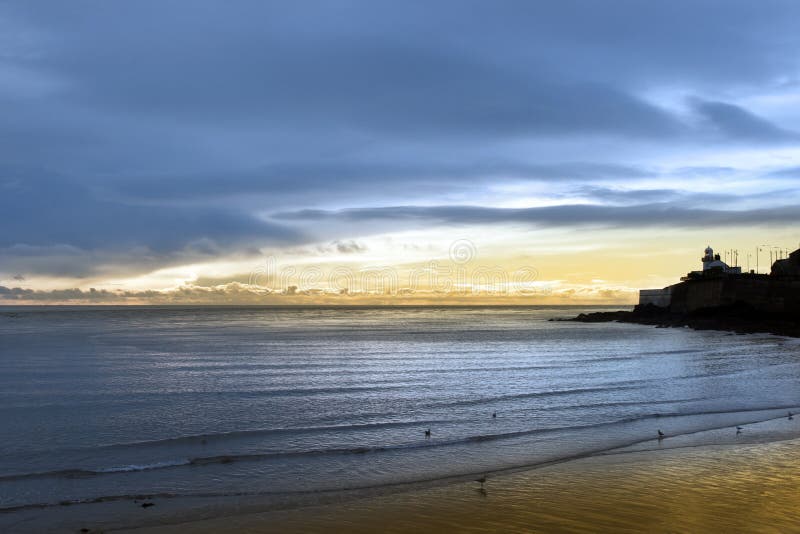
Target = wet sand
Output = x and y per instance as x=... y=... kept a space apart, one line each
x=734 y=488
x=715 y=481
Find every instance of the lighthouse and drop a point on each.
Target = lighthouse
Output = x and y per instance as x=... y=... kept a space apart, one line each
x=709 y=254
x=712 y=262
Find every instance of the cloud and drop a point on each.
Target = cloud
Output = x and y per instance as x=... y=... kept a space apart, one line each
x=610 y=196
x=48 y=210
x=237 y=294
x=308 y=182
x=632 y=196
x=217 y=84
x=53 y=223
x=790 y=172
x=349 y=247
x=737 y=123
x=644 y=215
x=74 y=294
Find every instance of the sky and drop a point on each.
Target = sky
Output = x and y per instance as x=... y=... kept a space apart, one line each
x=391 y=152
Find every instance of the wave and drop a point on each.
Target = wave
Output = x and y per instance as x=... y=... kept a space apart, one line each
x=260 y=394
x=85 y=473
x=250 y=457
x=142 y=467
x=531 y=395
x=195 y=438
x=619 y=386
x=619 y=448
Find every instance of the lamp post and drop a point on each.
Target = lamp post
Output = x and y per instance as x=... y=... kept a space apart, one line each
x=770 y=247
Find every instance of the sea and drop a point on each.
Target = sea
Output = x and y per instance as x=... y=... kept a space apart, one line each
x=112 y=403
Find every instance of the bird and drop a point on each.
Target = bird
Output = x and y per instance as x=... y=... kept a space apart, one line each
x=790 y=416
x=428 y=433
x=481 y=480
x=494 y=415
x=660 y=434
x=739 y=429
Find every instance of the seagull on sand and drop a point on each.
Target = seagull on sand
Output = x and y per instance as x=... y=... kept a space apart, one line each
x=481 y=480
x=660 y=435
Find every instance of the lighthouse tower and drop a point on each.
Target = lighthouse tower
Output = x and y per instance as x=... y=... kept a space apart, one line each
x=713 y=261
x=708 y=258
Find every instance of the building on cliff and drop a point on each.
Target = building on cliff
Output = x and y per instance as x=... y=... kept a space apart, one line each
x=719 y=285
x=790 y=267
x=712 y=262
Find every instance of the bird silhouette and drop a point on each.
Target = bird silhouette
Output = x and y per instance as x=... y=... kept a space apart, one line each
x=790 y=416
x=481 y=480
x=661 y=434
x=494 y=415
x=428 y=433
x=739 y=429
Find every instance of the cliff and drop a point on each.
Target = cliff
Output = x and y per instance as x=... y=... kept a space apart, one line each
x=760 y=293
x=722 y=299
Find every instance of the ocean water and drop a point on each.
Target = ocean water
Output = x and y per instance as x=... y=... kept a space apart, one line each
x=106 y=403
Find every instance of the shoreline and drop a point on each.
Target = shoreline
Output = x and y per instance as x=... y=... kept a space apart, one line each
x=601 y=493
x=700 y=488
x=524 y=495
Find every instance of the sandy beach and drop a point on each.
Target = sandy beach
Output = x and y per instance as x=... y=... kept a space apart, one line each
x=748 y=482
x=736 y=488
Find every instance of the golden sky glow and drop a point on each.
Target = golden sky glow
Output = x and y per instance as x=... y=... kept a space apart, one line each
x=501 y=266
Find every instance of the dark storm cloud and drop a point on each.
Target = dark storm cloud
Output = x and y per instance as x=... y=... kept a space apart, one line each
x=52 y=210
x=387 y=89
x=131 y=76
x=173 y=124
x=51 y=221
